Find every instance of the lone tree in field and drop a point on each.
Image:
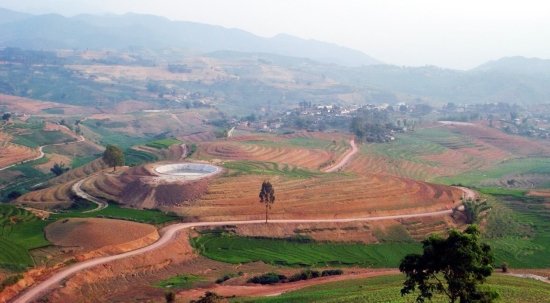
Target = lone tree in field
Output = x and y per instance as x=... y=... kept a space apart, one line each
x=452 y=267
x=267 y=196
x=113 y=156
x=58 y=169
x=475 y=210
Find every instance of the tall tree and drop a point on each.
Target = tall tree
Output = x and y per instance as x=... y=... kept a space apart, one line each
x=267 y=196
x=452 y=267
x=113 y=156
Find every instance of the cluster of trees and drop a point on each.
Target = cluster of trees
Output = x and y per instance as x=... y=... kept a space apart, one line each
x=372 y=125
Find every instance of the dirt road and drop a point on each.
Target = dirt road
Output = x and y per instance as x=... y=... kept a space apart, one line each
x=41 y=151
x=77 y=190
x=169 y=233
x=344 y=160
x=278 y=289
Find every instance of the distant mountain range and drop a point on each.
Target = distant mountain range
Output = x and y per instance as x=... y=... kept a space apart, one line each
x=53 y=31
x=513 y=79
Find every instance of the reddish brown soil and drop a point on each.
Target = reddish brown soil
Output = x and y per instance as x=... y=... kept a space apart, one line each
x=327 y=197
x=93 y=233
x=30 y=106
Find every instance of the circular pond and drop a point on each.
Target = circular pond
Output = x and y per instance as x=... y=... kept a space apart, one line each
x=189 y=171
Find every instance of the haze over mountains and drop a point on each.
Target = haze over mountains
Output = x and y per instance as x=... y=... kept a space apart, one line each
x=514 y=79
x=146 y=31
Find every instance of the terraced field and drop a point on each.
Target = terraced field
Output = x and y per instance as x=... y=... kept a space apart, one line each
x=387 y=289
x=305 y=152
x=56 y=196
x=430 y=153
x=238 y=250
x=327 y=196
x=11 y=153
x=20 y=231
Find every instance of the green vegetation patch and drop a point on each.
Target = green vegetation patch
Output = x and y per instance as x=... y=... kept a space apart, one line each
x=514 y=166
x=38 y=137
x=20 y=231
x=180 y=282
x=518 y=229
x=134 y=157
x=290 y=252
x=163 y=143
x=268 y=168
x=81 y=161
x=115 y=211
x=387 y=289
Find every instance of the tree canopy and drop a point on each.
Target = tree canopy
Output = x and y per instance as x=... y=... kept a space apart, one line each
x=113 y=156
x=267 y=196
x=453 y=267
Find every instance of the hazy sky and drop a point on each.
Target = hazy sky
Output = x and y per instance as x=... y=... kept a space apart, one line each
x=457 y=34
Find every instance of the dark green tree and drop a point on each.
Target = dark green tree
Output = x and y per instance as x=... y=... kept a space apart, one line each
x=113 y=156
x=474 y=210
x=453 y=267
x=267 y=196
x=58 y=169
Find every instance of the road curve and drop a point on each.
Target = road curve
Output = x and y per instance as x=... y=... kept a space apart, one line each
x=41 y=152
x=170 y=232
x=77 y=190
x=344 y=160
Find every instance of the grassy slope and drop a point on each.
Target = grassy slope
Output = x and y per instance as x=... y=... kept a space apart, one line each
x=17 y=239
x=387 y=289
x=518 y=229
x=235 y=249
x=514 y=166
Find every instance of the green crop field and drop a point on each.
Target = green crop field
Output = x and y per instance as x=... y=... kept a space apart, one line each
x=20 y=231
x=108 y=136
x=29 y=177
x=115 y=211
x=514 y=166
x=134 y=157
x=39 y=137
x=163 y=143
x=387 y=289
x=81 y=161
x=518 y=229
x=268 y=168
x=236 y=249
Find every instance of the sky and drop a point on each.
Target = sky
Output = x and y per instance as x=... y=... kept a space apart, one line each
x=459 y=34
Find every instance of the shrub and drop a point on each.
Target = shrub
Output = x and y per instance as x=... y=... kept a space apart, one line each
x=331 y=272
x=269 y=278
x=504 y=267
x=305 y=275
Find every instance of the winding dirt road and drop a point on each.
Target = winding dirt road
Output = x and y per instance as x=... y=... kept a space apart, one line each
x=77 y=190
x=345 y=159
x=42 y=154
x=169 y=233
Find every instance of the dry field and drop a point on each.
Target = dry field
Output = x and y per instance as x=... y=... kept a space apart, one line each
x=31 y=106
x=55 y=196
x=516 y=145
x=92 y=233
x=325 y=149
x=230 y=198
x=12 y=153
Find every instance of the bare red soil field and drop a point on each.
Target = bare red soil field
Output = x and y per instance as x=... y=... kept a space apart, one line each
x=93 y=233
x=12 y=153
x=327 y=197
x=516 y=145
